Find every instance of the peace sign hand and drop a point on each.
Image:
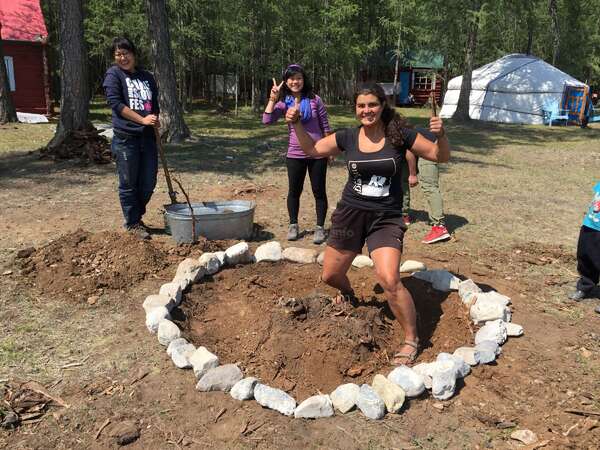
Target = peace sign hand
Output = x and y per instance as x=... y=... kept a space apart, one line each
x=275 y=90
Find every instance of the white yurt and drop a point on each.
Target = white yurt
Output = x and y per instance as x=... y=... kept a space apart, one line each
x=513 y=89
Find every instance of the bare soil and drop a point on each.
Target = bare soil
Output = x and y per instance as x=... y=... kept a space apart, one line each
x=288 y=332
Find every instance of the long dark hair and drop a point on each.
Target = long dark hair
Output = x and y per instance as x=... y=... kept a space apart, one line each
x=393 y=122
x=290 y=71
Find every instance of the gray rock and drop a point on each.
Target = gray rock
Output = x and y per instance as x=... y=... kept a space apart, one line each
x=410 y=266
x=470 y=355
x=361 y=261
x=108 y=134
x=172 y=290
x=244 y=389
x=443 y=382
x=167 y=332
x=494 y=297
x=211 y=263
x=180 y=353
x=158 y=300
x=271 y=251
x=409 y=380
x=202 y=361
x=221 y=378
x=460 y=366
x=274 y=399
x=314 y=407
x=183 y=283
x=514 y=330
x=487 y=351
x=494 y=330
x=344 y=397
x=483 y=311
x=441 y=280
x=392 y=395
x=154 y=317
x=370 y=404
x=190 y=269
x=300 y=255
x=238 y=254
x=527 y=437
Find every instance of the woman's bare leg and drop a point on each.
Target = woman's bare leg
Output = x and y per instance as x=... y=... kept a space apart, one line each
x=387 y=264
x=335 y=266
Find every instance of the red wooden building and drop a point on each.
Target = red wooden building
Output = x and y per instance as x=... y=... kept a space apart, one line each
x=24 y=37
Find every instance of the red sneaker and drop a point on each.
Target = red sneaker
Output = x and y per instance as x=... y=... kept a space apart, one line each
x=437 y=233
x=406 y=220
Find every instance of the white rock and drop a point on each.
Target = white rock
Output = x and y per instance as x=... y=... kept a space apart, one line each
x=494 y=330
x=221 y=378
x=154 y=317
x=271 y=251
x=426 y=371
x=370 y=404
x=460 y=366
x=190 y=269
x=409 y=380
x=172 y=290
x=180 y=353
x=495 y=297
x=183 y=283
x=202 y=360
x=441 y=280
x=222 y=257
x=167 y=332
x=300 y=255
x=238 y=254
x=314 y=407
x=470 y=355
x=487 y=351
x=321 y=258
x=361 y=261
x=410 y=266
x=483 y=311
x=274 y=399
x=211 y=263
x=527 y=437
x=244 y=389
x=467 y=286
x=443 y=382
x=514 y=330
x=344 y=397
x=158 y=300
x=392 y=395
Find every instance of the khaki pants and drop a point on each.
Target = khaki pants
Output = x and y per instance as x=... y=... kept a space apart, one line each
x=429 y=180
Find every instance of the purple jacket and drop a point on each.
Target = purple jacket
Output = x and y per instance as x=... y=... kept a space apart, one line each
x=317 y=127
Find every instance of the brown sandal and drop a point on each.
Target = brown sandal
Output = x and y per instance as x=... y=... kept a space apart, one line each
x=407 y=358
x=341 y=298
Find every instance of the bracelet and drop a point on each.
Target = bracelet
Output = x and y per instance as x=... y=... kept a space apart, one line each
x=273 y=99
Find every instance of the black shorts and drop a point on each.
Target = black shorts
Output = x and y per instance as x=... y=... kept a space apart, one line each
x=352 y=227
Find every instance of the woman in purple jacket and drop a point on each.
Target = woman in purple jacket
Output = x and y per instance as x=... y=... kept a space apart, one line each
x=296 y=87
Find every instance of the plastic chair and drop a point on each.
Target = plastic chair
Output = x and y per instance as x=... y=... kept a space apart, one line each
x=553 y=113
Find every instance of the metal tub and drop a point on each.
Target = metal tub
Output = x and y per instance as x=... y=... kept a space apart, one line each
x=232 y=219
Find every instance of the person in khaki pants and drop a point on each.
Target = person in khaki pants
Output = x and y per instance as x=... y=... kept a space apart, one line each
x=429 y=177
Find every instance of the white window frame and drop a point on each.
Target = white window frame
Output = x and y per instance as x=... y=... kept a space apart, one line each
x=10 y=72
x=423 y=80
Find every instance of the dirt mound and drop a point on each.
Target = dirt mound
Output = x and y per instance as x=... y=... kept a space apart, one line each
x=83 y=263
x=82 y=144
x=278 y=323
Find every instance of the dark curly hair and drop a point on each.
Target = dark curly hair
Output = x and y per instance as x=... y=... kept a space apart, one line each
x=394 y=122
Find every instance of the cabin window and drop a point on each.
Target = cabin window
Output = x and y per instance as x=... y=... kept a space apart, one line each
x=423 y=81
x=10 y=72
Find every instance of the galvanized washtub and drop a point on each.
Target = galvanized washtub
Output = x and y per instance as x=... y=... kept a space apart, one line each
x=233 y=219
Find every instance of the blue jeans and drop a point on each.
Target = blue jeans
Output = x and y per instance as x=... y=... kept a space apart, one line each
x=137 y=166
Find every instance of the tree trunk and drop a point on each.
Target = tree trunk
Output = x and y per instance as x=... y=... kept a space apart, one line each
x=553 y=11
x=173 y=127
x=74 y=86
x=462 y=109
x=7 y=109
